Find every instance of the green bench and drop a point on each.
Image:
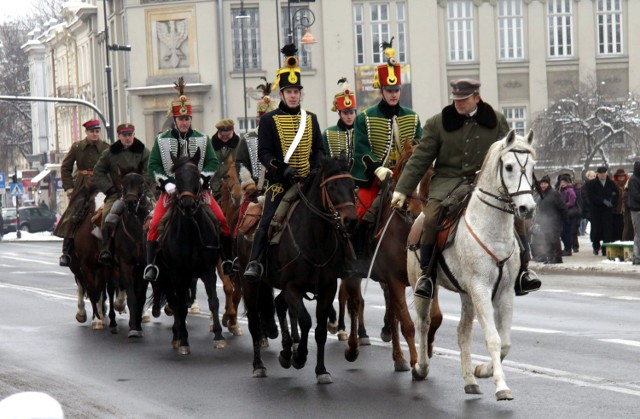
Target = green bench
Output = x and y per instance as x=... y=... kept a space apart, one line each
x=621 y=251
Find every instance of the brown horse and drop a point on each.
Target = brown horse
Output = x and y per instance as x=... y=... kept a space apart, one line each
x=88 y=273
x=388 y=243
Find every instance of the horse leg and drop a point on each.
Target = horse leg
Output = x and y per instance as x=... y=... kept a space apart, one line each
x=180 y=310
x=423 y=308
x=296 y=305
x=385 y=333
x=209 y=280
x=120 y=301
x=111 y=291
x=353 y=299
x=465 y=332
x=397 y=295
x=436 y=321
x=251 y=301
x=236 y=297
x=136 y=295
x=323 y=307
x=194 y=307
x=81 y=313
x=287 y=342
x=332 y=321
x=342 y=303
x=363 y=337
x=230 y=316
x=498 y=344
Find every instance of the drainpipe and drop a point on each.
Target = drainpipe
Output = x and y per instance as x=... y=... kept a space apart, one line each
x=222 y=67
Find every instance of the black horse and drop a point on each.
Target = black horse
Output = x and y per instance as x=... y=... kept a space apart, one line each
x=128 y=239
x=189 y=248
x=307 y=259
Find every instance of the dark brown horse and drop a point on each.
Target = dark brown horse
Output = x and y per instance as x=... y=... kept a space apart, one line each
x=307 y=260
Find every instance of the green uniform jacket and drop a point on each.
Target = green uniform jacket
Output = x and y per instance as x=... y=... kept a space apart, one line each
x=116 y=159
x=338 y=138
x=237 y=148
x=456 y=146
x=84 y=154
x=374 y=140
x=166 y=145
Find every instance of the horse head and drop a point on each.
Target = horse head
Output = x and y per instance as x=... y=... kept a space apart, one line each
x=133 y=187
x=188 y=182
x=231 y=183
x=512 y=160
x=336 y=187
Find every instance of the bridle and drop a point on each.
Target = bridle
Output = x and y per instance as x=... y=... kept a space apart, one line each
x=195 y=196
x=504 y=195
x=330 y=211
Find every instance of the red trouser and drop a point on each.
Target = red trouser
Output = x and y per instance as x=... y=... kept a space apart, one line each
x=164 y=203
x=366 y=196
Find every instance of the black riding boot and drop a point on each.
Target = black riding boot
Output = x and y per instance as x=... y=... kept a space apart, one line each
x=151 y=271
x=527 y=281
x=425 y=284
x=359 y=268
x=67 y=245
x=254 y=268
x=227 y=254
x=105 y=257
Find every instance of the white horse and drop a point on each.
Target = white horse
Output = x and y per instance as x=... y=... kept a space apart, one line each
x=483 y=262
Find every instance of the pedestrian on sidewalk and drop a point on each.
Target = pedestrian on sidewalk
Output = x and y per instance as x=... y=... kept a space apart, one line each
x=568 y=194
x=550 y=215
x=603 y=198
x=634 y=205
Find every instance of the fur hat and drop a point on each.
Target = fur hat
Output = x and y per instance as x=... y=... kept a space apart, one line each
x=224 y=124
x=620 y=172
x=545 y=179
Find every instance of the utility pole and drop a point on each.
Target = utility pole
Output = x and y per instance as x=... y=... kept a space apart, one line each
x=15 y=180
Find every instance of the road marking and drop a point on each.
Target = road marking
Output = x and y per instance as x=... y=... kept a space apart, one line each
x=591 y=294
x=40 y=272
x=39 y=291
x=29 y=260
x=622 y=342
x=627 y=298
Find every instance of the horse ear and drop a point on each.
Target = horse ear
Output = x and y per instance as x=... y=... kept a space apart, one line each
x=140 y=167
x=196 y=156
x=529 y=137
x=511 y=137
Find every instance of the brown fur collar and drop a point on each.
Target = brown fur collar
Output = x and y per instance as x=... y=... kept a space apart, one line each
x=452 y=120
x=136 y=147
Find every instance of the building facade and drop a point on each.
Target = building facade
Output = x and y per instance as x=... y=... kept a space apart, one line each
x=527 y=53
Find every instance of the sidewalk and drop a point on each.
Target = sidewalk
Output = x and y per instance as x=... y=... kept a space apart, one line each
x=585 y=261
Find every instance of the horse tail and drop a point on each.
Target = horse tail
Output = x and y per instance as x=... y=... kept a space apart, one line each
x=158 y=297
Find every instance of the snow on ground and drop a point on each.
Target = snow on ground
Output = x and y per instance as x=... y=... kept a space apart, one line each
x=44 y=236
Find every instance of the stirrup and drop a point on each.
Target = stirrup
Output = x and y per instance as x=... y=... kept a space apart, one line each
x=65 y=260
x=105 y=258
x=151 y=272
x=227 y=267
x=424 y=287
x=527 y=282
x=235 y=265
x=254 y=270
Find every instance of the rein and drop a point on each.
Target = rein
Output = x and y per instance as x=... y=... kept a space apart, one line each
x=330 y=217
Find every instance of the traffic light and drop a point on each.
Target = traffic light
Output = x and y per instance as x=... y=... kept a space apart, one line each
x=14 y=178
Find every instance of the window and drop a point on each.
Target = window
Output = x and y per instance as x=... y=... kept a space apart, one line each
x=250 y=38
x=242 y=124
x=510 y=22
x=560 y=28
x=609 y=26
x=517 y=118
x=299 y=17
x=460 y=26
x=359 y=33
x=376 y=23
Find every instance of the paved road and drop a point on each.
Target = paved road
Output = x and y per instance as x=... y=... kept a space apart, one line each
x=575 y=350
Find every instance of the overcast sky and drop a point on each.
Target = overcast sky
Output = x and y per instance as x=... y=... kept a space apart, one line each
x=14 y=8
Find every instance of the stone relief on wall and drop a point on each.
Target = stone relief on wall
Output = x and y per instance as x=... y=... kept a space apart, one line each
x=172 y=35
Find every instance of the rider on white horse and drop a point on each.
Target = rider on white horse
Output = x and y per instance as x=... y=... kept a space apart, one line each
x=457 y=140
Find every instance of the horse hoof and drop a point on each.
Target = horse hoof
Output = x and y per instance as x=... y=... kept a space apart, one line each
x=175 y=344
x=365 y=341
x=225 y=320
x=342 y=335
x=385 y=335
x=332 y=328
x=264 y=343
x=155 y=312
x=168 y=311
x=135 y=334
x=481 y=372
x=113 y=330
x=504 y=395
x=298 y=363
x=195 y=308
x=81 y=318
x=351 y=355
x=236 y=330
x=97 y=325
x=284 y=362
x=259 y=373
x=417 y=374
x=219 y=344
x=146 y=318
x=184 y=350
x=401 y=366
x=473 y=389
x=324 y=378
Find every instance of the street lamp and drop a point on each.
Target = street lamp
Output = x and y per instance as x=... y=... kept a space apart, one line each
x=301 y=18
x=242 y=17
x=107 y=69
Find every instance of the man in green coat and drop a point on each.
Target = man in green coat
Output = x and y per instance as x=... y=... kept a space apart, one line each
x=126 y=153
x=338 y=139
x=84 y=155
x=456 y=142
x=226 y=143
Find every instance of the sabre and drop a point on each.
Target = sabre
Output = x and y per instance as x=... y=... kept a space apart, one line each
x=375 y=252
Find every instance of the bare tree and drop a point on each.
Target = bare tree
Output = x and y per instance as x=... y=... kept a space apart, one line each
x=43 y=10
x=588 y=127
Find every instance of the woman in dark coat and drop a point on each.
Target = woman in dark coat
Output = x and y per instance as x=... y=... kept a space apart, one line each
x=550 y=217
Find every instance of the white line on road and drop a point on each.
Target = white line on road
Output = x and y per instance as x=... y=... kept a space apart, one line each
x=622 y=342
x=29 y=260
x=40 y=272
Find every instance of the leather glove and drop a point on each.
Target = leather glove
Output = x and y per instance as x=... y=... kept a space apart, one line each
x=398 y=199
x=170 y=187
x=69 y=192
x=607 y=203
x=382 y=173
x=289 y=173
x=205 y=181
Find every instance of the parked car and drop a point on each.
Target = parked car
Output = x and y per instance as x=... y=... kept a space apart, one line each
x=32 y=219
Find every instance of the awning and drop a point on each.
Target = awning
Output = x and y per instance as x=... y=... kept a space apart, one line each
x=41 y=176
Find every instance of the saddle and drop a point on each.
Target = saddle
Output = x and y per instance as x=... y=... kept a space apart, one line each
x=251 y=217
